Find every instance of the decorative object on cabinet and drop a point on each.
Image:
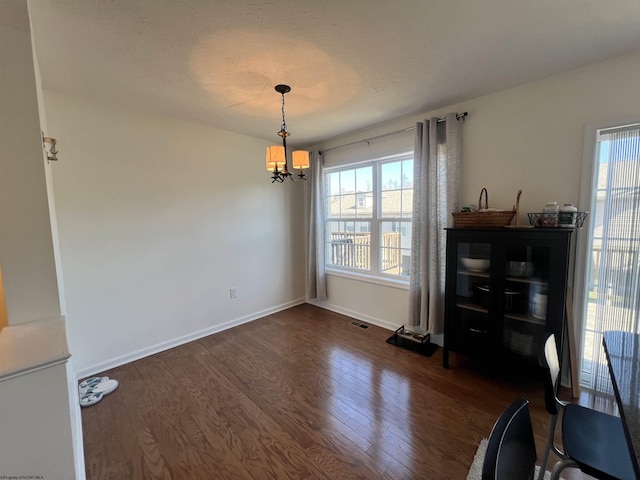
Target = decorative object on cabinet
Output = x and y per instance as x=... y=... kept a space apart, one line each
x=483 y=217
x=517 y=224
x=547 y=220
x=505 y=311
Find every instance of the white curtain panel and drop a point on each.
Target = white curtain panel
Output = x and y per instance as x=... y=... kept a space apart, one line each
x=436 y=164
x=616 y=240
x=316 y=274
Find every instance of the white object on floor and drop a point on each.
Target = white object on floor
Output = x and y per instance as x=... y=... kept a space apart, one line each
x=90 y=383
x=90 y=399
x=94 y=392
x=104 y=387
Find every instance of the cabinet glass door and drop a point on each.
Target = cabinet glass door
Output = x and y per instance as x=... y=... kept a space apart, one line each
x=526 y=274
x=473 y=294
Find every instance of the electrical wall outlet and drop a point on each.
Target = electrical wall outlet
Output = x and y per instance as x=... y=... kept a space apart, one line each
x=233 y=293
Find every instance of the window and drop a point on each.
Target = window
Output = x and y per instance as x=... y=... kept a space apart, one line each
x=612 y=274
x=368 y=216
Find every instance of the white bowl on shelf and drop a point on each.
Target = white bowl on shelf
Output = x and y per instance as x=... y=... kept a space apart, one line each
x=475 y=264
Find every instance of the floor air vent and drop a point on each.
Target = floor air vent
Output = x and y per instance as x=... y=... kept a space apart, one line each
x=359 y=325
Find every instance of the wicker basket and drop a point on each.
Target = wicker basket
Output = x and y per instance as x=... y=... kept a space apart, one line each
x=483 y=218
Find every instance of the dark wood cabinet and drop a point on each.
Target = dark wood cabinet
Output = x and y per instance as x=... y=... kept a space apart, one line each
x=504 y=289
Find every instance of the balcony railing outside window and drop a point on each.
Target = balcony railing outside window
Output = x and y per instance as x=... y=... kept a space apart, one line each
x=353 y=250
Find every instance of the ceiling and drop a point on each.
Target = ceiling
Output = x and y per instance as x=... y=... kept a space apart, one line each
x=351 y=64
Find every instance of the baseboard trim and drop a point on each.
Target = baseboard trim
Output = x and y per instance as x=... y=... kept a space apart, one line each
x=176 y=342
x=437 y=338
x=357 y=315
x=76 y=424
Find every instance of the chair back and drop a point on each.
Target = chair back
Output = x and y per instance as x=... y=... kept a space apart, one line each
x=511 y=450
x=551 y=363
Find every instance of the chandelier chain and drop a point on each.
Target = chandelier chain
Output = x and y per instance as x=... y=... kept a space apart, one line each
x=284 y=122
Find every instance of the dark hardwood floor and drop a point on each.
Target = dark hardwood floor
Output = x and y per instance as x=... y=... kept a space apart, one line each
x=300 y=394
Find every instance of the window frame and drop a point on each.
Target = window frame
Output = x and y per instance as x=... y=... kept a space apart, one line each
x=588 y=187
x=376 y=220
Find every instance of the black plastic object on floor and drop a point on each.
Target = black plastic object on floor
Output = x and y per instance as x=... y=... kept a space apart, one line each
x=413 y=339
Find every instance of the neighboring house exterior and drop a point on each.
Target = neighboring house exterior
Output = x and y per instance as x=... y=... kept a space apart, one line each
x=350 y=238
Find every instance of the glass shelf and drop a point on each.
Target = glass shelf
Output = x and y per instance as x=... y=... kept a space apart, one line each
x=525 y=318
x=532 y=281
x=473 y=274
x=471 y=306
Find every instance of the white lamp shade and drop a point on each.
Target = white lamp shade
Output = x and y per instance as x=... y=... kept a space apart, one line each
x=275 y=157
x=300 y=159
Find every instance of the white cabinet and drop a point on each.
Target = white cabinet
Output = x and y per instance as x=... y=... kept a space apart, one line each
x=35 y=405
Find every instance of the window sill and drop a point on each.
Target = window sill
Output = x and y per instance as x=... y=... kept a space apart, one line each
x=400 y=283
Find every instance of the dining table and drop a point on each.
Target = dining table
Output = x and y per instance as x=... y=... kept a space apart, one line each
x=623 y=358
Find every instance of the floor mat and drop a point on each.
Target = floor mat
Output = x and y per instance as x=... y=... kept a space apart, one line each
x=426 y=349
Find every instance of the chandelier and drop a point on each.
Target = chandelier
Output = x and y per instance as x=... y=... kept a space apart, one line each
x=277 y=154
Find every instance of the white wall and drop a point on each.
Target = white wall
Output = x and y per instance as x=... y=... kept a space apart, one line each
x=26 y=251
x=375 y=303
x=157 y=220
x=530 y=138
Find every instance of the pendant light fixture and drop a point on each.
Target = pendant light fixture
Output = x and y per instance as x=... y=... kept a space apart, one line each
x=277 y=154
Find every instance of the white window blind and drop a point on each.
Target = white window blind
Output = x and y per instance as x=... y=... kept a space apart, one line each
x=613 y=273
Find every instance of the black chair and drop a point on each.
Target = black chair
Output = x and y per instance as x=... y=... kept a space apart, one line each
x=592 y=441
x=511 y=450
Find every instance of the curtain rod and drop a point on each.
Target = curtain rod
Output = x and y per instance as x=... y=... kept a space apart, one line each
x=459 y=116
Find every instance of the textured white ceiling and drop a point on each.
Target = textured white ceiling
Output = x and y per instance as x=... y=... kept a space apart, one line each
x=14 y=14
x=350 y=64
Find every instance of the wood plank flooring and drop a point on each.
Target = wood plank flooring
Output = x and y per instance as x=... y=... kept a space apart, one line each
x=300 y=394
